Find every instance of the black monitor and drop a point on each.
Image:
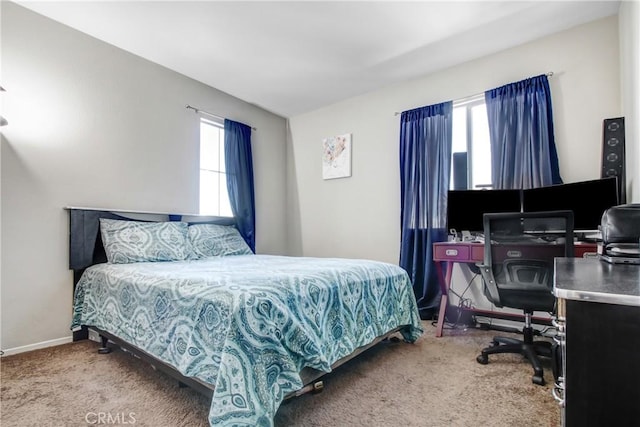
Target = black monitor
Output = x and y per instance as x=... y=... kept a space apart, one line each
x=465 y=208
x=587 y=199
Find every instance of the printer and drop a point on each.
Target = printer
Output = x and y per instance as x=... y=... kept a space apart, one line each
x=620 y=229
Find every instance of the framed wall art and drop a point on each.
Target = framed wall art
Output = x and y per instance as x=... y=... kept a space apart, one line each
x=336 y=157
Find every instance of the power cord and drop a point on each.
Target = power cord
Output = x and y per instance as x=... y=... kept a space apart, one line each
x=463 y=305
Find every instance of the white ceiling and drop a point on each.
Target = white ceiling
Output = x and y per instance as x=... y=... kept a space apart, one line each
x=292 y=57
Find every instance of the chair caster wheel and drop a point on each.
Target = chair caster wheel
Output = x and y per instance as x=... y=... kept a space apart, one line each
x=537 y=380
x=483 y=359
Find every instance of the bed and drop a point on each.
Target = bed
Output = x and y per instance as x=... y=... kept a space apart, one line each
x=249 y=330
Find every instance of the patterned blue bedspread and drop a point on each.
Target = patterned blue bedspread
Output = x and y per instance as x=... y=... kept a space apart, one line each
x=248 y=324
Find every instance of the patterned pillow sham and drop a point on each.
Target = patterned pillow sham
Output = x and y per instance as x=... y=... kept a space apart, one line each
x=213 y=240
x=134 y=241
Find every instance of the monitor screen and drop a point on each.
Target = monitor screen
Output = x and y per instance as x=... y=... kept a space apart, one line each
x=465 y=208
x=587 y=199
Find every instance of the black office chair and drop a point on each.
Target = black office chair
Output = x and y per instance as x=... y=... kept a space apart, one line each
x=517 y=272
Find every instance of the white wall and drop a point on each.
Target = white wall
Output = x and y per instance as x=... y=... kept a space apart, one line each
x=360 y=216
x=91 y=125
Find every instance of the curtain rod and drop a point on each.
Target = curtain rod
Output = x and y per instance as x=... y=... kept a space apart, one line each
x=549 y=74
x=197 y=110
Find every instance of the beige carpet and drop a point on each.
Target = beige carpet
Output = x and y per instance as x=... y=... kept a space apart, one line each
x=434 y=382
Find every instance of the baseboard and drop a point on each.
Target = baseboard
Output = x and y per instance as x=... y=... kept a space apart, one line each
x=36 y=346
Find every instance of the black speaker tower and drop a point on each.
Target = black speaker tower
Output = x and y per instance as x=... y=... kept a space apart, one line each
x=613 y=161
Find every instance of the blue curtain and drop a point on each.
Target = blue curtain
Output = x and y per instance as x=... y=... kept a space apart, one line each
x=239 y=167
x=523 y=148
x=425 y=164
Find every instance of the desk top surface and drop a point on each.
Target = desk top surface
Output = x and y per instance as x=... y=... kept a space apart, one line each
x=591 y=279
x=588 y=245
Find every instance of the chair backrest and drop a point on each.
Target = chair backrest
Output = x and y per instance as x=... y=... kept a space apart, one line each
x=518 y=256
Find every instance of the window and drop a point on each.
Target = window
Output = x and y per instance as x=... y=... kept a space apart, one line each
x=214 y=198
x=471 y=136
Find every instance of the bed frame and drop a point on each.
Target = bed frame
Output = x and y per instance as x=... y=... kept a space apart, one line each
x=86 y=249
